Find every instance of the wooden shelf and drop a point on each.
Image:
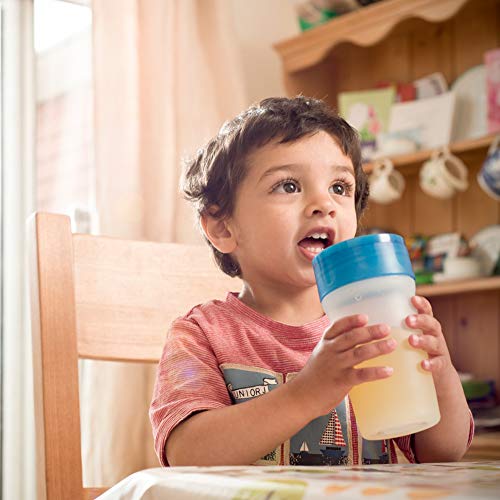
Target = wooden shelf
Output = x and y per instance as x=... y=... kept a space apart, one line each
x=420 y=156
x=363 y=27
x=401 y=41
x=463 y=286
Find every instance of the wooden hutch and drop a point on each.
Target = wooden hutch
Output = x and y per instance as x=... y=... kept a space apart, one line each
x=400 y=41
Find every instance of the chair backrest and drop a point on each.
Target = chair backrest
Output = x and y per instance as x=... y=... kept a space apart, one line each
x=100 y=298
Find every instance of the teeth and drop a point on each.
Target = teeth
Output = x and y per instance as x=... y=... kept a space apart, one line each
x=318 y=236
x=314 y=250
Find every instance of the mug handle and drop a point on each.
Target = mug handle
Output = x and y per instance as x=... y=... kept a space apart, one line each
x=439 y=152
x=383 y=167
x=459 y=184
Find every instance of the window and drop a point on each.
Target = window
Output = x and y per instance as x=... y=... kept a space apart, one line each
x=64 y=122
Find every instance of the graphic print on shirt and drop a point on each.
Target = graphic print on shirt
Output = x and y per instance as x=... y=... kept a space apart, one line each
x=246 y=382
x=321 y=442
x=252 y=391
x=324 y=441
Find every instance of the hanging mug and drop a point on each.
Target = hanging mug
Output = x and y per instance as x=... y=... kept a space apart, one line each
x=489 y=175
x=386 y=183
x=443 y=174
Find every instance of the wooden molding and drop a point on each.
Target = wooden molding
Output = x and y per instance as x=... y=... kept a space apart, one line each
x=363 y=27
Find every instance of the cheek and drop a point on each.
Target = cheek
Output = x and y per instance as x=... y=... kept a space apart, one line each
x=350 y=224
x=354 y=228
x=270 y=236
x=272 y=233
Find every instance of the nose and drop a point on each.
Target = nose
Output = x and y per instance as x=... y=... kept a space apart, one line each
x=320 y=204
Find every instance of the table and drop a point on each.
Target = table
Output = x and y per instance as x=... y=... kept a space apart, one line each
x=461 y=480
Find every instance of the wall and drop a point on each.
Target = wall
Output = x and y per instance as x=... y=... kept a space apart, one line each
x=258 y=25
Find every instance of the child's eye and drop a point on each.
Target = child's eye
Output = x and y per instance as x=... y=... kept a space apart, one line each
x=289 y=186
x=342 y=188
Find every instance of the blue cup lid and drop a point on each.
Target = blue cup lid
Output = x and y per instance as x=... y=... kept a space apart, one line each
x=361 y=258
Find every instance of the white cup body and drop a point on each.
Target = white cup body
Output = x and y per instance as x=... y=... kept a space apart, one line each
x=386 y=183
x=443 y=175
x=406 y=402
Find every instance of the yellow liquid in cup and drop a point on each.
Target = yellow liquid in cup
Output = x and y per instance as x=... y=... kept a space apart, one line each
x=402 y=404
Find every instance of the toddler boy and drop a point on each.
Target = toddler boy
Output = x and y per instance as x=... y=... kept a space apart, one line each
x=261 y=377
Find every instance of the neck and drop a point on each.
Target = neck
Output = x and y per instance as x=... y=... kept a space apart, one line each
x=293 y=307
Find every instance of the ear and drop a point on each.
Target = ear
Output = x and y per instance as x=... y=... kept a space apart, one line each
x=218 y=232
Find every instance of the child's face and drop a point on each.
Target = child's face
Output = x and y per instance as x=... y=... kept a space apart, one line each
x=292 y=191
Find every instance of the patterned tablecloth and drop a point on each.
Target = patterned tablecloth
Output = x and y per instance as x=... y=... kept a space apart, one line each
x=471 y=480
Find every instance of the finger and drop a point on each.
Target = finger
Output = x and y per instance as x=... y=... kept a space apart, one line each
x=360 y=375
x=427 y=343
x=361 y=335
x=344 y=325
x=422 y=305
x=424 y=322
x=435 y=364
x=369 y=351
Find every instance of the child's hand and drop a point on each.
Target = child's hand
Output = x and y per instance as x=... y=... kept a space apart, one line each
x=329 y=374
x=432 y=340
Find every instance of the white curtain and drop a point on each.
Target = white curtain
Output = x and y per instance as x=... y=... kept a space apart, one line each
x=167 y=73
x=17 y=185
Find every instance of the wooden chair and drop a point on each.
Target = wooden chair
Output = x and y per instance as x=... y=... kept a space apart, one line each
x=100 y=298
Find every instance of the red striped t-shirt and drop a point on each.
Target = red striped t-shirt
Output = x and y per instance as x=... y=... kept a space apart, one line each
x=223 y=352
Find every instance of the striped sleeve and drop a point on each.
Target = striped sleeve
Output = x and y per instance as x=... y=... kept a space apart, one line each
x=188 y=380
x=471 y=430
x=407 y=443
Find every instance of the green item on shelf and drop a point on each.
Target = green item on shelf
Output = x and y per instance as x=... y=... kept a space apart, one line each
x=423 y=277
x=476 y=389
x=323 y=16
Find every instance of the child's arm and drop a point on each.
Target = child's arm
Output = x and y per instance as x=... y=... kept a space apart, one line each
x=243 y=433
x=448 y=440
x=238 y=434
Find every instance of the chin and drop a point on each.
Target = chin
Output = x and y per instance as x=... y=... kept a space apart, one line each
x=308 y=280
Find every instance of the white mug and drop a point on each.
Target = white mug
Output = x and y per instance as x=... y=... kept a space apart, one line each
x=386 y=183
x=443 y=175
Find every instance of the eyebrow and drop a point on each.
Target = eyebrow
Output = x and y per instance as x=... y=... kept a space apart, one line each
x=293 y=167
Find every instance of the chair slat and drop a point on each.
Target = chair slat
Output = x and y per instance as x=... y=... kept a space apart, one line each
x=55 y=358
x=128 y=292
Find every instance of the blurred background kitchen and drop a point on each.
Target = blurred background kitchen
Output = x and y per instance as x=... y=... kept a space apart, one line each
x=102 y=99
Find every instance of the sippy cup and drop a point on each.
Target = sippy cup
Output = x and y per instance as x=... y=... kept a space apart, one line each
x=373 y=275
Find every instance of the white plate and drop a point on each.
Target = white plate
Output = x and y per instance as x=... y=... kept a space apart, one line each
x=471 y=115
x=486 y=248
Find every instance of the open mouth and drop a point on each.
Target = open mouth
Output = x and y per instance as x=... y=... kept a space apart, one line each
x=315 y=242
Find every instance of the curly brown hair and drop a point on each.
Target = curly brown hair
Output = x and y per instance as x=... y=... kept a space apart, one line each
x=212 y=177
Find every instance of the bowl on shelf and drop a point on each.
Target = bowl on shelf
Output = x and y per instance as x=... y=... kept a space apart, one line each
x=458 y=268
